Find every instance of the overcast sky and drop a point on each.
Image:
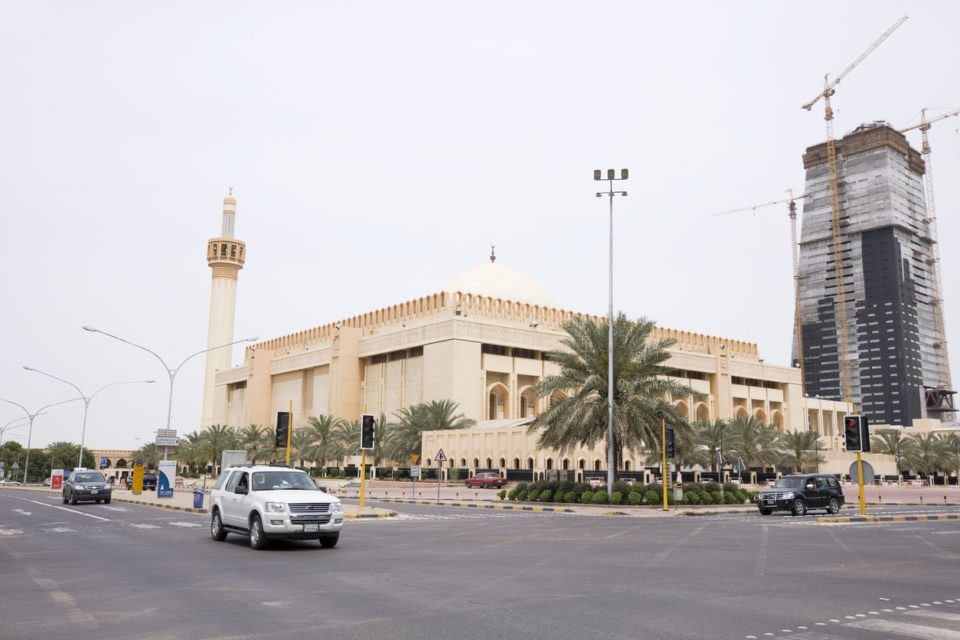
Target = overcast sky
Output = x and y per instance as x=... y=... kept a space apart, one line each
x=378 y=149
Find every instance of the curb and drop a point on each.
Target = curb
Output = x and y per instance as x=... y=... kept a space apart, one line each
x=848 y=519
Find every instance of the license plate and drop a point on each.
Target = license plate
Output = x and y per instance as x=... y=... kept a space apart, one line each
x=769 y=502
x=93 y=490
x=311 y=528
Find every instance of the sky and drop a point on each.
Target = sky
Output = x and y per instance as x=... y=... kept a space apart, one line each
x=377 y=149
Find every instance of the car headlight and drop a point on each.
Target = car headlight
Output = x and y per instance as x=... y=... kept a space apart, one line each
x=274 y=507
x=788 y=495
x=337 y=507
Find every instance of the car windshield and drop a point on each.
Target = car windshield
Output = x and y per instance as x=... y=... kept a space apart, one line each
x=89 y=477
x=273 y=480
x=789 y=483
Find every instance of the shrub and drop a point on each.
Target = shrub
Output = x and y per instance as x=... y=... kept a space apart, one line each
x=691 y=497
x=731 y=497
x=599 y=497
x=512 y=495
x=570 y=496
x=533 y=494
x=651 y=497
x=586 y=496
x=521 y=496
x=634 y=498
x=502 y=494
x=616 y=497
x=707 y=498
x=545 y=495
x=717 y=497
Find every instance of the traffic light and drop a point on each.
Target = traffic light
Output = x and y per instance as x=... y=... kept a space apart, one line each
x=856 y=433
x=671 y=444
x=283 y=426
x=368 y=430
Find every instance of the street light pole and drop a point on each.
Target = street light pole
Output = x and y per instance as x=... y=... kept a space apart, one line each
x=86 y=401
x=611 y=176
x=172 y=373
x=31 y=417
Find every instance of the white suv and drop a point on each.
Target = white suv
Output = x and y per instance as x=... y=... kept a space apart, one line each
x=268 y=502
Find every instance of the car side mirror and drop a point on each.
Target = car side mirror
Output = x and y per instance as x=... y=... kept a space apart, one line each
x=242 y=491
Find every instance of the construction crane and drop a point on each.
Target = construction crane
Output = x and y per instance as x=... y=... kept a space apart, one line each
x=792 y=213
x=833 y=178
x=931 y=221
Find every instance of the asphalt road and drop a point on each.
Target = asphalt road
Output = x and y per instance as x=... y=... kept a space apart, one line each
x=129 y=571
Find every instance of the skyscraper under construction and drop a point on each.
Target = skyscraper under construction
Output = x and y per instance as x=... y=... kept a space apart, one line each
x=868 y=281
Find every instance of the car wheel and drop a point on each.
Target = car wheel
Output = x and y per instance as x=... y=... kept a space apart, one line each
x=833 y=506
x=73 y=499
x=258 y=539
x=329 y=542
x=765 y=512
x=106 y=501
x=799 y=507
x=65 y=500
x=217 y=532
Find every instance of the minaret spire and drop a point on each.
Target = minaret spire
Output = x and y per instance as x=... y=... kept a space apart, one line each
x=226 y=256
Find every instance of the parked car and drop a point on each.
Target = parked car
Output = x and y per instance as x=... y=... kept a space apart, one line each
x=596 y=483
x=9 y=483
x=266 y=502
x=149 y=482
x=486 y=480
x=798 y=493
x=47 y=482
x=86 y=485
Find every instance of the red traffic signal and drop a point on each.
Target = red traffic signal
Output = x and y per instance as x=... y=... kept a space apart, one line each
x=856 y=433
x=368 y=431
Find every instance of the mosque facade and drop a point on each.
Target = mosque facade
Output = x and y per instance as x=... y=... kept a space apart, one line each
x=480 y=341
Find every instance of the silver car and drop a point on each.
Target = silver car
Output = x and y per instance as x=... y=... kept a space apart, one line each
x=89 y=486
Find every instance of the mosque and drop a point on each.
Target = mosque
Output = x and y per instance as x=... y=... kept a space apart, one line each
x=480 y=341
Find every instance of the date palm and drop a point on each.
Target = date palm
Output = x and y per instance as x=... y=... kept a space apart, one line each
x=404 y=437
x=889 y=442
x=320 y=438
x=930 y=452
x=259 y=442
x=800 y=449
x=709 y=438
x=578 y=412
x=218 y=438
x=753 y=441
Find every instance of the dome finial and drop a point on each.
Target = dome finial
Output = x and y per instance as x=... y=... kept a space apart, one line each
x=493 y=253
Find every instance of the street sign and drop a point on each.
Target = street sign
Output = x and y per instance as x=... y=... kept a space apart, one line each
x=415 y=458
x=167 y=433
x=166 y=441
x=415 y=471
x=440 y=457
x=868 y=473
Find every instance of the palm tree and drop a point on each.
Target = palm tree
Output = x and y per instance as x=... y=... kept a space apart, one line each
x=930 y=452
x=257 y=441
x=579 y=413
x=709 y=441
x=320 y=437
x=404 y=438
x=888 y=442
x=800 y=449
x=217 y=438
x=753 y=441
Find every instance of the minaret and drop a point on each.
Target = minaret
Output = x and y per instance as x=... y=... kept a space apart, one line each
x=226 y=256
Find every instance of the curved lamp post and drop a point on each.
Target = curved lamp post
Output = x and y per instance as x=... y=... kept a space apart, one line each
x=31 y=417
x=10 y=426
x=86 y=401
x=172 y=373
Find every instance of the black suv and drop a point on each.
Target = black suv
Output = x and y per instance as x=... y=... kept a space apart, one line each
x=800 y=492
x=149 y=482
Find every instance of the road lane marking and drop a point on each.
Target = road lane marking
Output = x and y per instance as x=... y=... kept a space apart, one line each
x=56 y=506
x=923 y=632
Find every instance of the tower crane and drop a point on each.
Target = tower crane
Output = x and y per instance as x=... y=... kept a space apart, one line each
x=792 y=213
x=931 y=221
x=846 y=388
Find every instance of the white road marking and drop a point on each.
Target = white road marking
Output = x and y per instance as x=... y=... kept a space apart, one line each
x=136 y=525
x=77 y=511
x=188 y=525
x=27 y=513
x=923 y=632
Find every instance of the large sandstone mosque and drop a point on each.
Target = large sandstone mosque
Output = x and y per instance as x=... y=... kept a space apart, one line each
x=479 y=340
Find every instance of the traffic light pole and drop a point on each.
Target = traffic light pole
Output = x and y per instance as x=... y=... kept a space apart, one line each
x=664 y=473
x=863 y=502
x=363 y=475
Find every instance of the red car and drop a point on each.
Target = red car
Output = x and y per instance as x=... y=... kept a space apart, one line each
x=486 y=479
